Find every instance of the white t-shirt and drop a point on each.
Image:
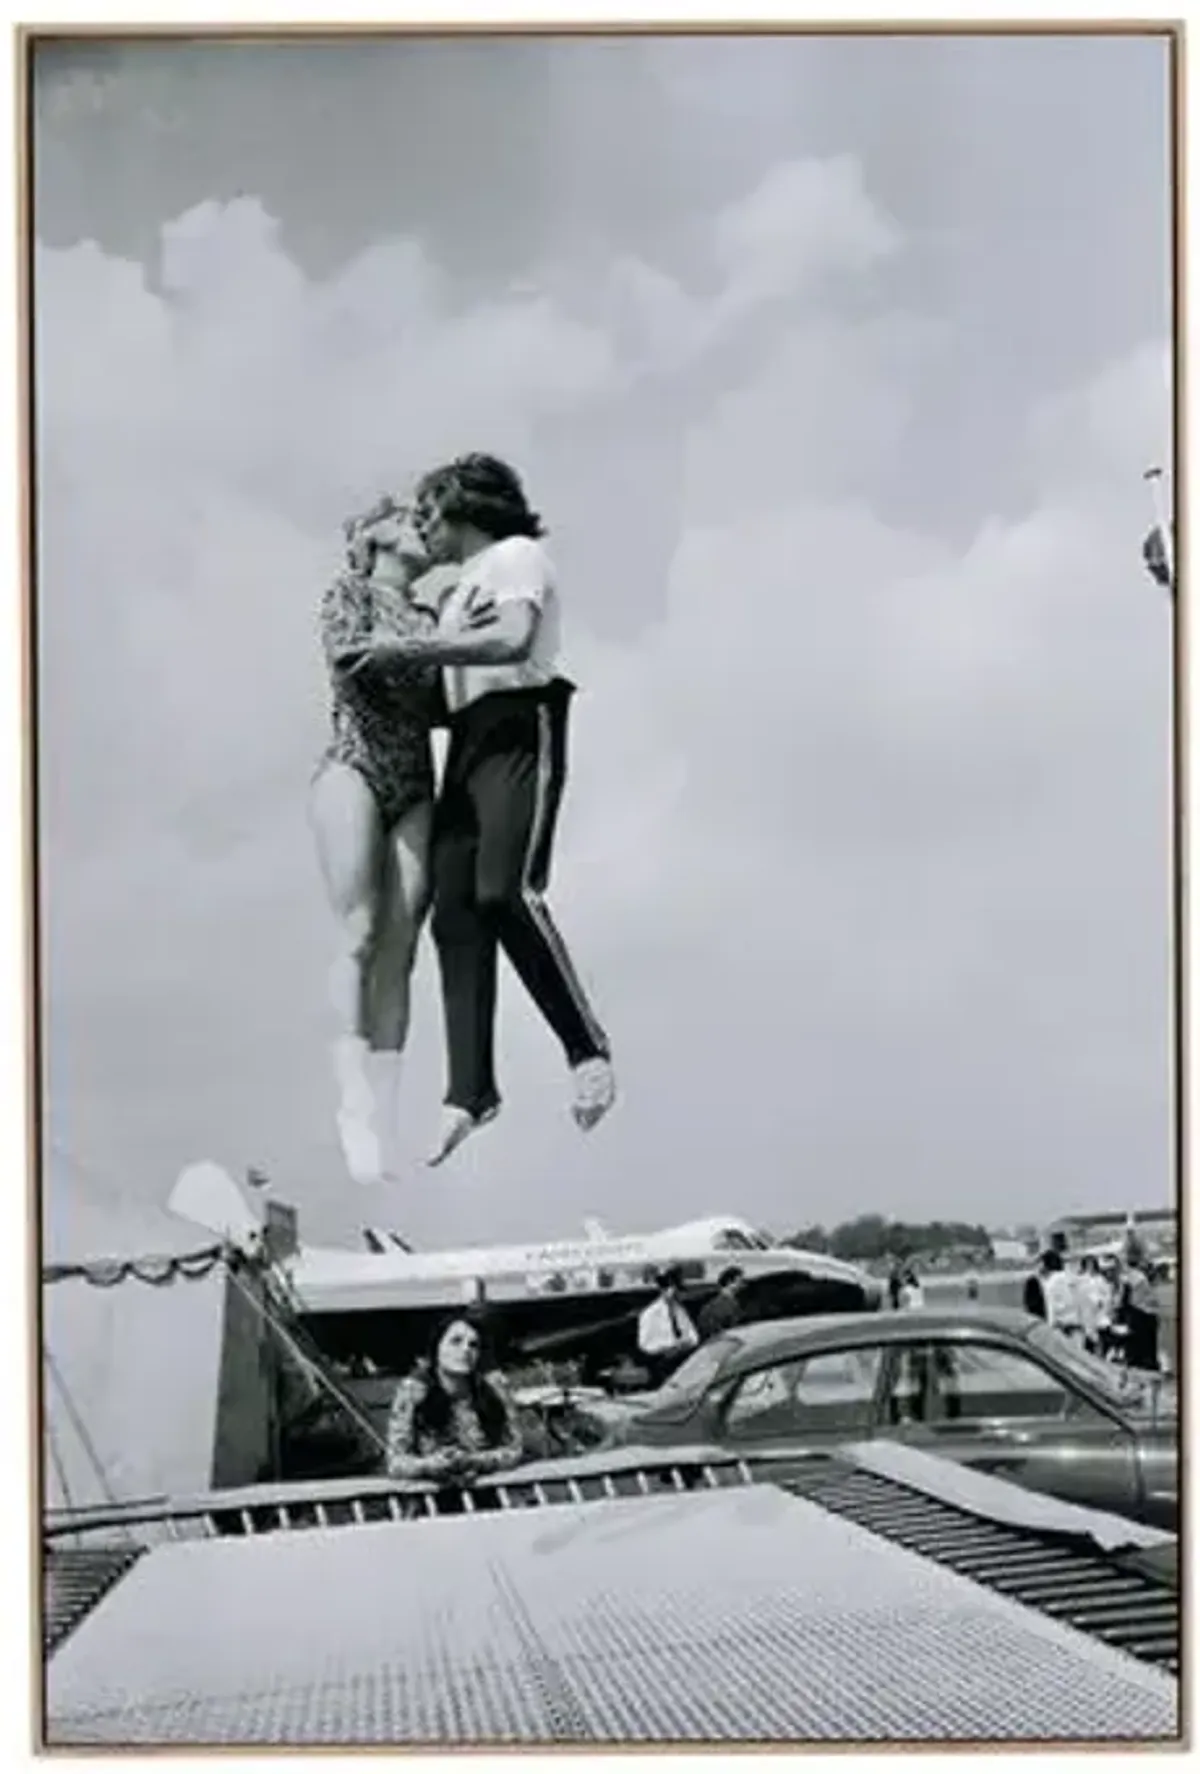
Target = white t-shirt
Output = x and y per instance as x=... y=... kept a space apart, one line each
x=517 y=570
x=1062 y=1300
x=664 y=1326
x=1095 y=1303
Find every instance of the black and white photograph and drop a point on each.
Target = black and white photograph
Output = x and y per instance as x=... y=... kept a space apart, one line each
x=605 y=709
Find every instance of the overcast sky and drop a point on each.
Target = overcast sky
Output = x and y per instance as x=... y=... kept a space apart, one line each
x=834 y=365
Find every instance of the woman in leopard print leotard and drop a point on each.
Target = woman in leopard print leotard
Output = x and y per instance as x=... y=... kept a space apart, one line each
x=372 y=801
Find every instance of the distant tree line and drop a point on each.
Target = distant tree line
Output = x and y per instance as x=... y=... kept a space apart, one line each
x=871 y=1237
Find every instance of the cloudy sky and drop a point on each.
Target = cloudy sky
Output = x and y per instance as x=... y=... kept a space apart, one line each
x=834 y=364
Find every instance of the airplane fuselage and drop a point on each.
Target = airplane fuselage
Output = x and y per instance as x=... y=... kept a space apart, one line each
x=562 y=1299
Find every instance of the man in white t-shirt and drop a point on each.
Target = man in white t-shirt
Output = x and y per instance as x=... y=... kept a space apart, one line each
x=1094 y=1298
x=1062 y=1300
x=498 y=642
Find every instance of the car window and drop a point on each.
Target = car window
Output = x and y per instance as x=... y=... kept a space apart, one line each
x=830 y=1393
x=699 y=1370
x=1117 y=1384
x=976 y=1382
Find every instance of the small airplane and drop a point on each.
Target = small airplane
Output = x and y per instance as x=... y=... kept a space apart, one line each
x=565 y=1299
x=559 y=1299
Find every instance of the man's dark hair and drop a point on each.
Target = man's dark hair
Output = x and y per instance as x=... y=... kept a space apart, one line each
x=728 y=1277
x=483 y=491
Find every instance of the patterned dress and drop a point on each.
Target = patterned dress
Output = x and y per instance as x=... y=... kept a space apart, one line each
x=415 y=1451
x=382 y=716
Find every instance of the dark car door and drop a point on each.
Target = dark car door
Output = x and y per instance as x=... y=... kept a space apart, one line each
x=1002 y=1410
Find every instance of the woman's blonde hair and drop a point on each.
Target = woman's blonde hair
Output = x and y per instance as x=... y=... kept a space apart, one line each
x=360 y=550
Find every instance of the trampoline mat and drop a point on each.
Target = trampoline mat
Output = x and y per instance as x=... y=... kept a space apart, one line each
x=734 y=1616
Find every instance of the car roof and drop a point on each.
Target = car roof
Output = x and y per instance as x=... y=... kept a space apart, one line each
x=782 y=1338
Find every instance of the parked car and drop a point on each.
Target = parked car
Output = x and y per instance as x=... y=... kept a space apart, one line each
x=994 y=1389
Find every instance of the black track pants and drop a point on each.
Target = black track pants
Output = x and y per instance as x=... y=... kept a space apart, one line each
x=493 y=836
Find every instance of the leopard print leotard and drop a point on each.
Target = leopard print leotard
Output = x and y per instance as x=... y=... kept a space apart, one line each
x=381 y=719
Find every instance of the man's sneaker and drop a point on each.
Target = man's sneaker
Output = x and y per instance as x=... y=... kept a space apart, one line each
x=595 y=1092
x=457 y=1126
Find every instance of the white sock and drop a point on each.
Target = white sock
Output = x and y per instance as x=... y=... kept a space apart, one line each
x=350 y=1068
x=360 y=1149
x=384 y=1071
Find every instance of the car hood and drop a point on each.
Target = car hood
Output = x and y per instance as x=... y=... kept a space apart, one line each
x=618 y=1420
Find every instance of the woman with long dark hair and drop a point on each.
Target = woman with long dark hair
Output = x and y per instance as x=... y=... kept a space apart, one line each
x=372 y=811
x=451 y=1423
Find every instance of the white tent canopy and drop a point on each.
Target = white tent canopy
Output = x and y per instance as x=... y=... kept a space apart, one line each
x=85 y=1220
x=133 y=1363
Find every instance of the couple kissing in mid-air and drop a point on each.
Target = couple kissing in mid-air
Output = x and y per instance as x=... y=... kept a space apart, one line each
x=483 y=660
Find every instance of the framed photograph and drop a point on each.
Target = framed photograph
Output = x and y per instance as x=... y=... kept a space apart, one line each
x=604 y=664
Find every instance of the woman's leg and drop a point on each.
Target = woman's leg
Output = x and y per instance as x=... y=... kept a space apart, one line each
x=349 y=838
x=403 y=903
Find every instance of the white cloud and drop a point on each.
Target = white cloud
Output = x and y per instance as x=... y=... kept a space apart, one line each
x=807 y=219
x=865 y=850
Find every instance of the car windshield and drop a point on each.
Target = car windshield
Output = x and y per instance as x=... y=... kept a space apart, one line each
x=700 y=1369
x=1119 y=1385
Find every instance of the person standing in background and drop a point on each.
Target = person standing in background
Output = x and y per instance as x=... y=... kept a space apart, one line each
x=666 y=1335
x=1062 y=1305
x=1033 y=1295
x=912 y=1294
x=724 y=1310
x=1139 y=1313
x=1095 y=1306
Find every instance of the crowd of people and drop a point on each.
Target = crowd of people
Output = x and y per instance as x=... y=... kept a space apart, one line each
x=1111 y=1305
